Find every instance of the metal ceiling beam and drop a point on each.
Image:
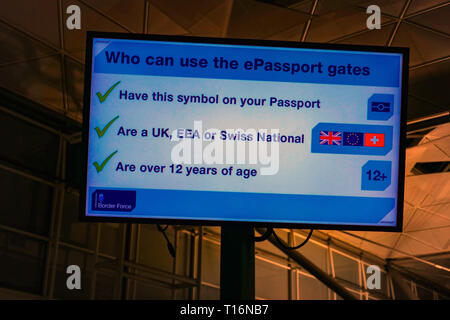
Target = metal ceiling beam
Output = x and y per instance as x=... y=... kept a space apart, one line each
x=146 y=17
x=424 y=208
x=435 y=265
x=429 y=229
x=18 y=61
x=397 y=25
x=422 y=100
x=357 y=33
x=433 y=8
x=311 y=268
x=39 y=40
x=428 y=29
x=106 y=16
x=308 y=23
x=37 y=114
x=324 y=240
x=345 y=247
x=397 y=20
x=429 y=245
x=396 y=270
x=63 y=62
x=437 y=203
x=411 y=15
x=445 y=255
x=289 y=7
x=401 y=287
x=429 y=63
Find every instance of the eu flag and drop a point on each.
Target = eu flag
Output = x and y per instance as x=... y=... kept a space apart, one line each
x=353 y=139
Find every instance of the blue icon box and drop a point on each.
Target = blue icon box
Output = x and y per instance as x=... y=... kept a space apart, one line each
x=380 y=107
x=376 y=175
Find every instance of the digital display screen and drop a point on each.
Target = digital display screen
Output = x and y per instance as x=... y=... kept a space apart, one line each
x=209 y=131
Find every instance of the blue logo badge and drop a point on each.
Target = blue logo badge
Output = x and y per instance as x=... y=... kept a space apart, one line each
x=113 y=200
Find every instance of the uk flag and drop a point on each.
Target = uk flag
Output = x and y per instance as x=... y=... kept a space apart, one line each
x=331 y=137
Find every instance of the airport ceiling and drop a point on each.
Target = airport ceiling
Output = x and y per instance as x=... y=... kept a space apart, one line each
x=42 y=60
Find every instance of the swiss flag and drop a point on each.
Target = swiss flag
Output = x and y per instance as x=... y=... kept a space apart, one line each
x=374 y=139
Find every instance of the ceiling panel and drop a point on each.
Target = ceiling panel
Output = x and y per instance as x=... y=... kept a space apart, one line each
x=40 y=18
x=206 y=27
x=387 y=239
x=437 y=186
x=393 y=8
x=129 y=13
x=439 y=132
x=186 y=13
x=424 y=45
x=427 y=221
x=438 y=241
x=215 y=22
x=17 y=47
x=427 y=271
x=431 y=84
x=75 y=40
x=419 y=108
x=414 y=192
x=410 y=247
x=302 y=6
x=255 y=20
x=160 y=23
x=75 y=82
x=419 y=5
x=372 y=38
x=38 y=80
x=291 y=34
x=435 y=19
x=336 y=19
x=429 y=152
x=374 y=249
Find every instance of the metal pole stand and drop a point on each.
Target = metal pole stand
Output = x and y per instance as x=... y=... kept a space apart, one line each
x=237 y=262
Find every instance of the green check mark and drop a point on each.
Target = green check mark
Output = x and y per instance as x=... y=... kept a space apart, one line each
x=101 y=166
x=102 y=97
x=101 y=132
